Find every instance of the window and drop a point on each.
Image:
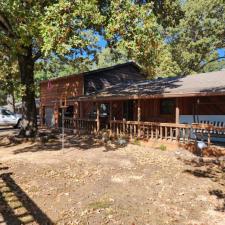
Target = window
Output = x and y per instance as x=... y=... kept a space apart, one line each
x=103 y=110
x=69 y=111
x=167 y=106
x=6 y=112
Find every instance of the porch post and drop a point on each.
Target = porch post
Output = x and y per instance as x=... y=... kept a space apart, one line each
x=56 y=116
x=98 y=116
x=110 y=117
x=81 y=110
x=139 y=117
x=177 y=118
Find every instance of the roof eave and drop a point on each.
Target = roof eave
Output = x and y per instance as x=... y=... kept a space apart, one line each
x=153 y=96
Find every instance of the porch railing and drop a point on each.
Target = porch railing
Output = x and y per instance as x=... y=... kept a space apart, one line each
x=167 y=131
x=80 y=124
x=152 y=130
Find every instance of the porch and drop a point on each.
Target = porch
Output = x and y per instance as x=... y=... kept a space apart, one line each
x=166 y=119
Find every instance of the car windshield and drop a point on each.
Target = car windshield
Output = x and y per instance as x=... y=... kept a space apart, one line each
x=6 y=112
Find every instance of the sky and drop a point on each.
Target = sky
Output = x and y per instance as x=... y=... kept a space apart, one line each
x=102 y=43
x=221 y=52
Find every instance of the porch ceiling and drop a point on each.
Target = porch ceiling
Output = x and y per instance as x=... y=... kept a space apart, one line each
x=193 y=85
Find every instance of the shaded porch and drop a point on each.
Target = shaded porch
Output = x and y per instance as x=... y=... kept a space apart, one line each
x=169 y=119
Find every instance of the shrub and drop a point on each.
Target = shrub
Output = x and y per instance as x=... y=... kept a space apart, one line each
x=162 y=147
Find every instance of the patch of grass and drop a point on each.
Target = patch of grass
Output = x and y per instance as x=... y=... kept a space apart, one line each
x=100 y=205
x=162 y=147
x=136 y=142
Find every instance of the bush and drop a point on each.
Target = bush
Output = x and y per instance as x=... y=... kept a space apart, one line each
x=162 y=147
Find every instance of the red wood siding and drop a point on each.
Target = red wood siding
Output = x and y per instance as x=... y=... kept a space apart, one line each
x=211 y=105
x=150 y=111
x=56 y=90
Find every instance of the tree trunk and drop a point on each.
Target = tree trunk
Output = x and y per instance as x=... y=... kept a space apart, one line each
x=26 y=68
x=12 y=93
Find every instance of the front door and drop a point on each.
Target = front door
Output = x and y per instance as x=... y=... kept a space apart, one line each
x=49 y=117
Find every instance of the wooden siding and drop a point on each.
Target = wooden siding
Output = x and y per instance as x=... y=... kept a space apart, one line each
x=150 y=111
x=54 y=91
x=210 y=105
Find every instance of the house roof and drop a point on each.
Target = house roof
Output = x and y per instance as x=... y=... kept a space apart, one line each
x=101 y=70
x=212 y=83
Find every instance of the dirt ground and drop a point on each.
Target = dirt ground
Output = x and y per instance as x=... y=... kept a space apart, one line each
x=93 y=183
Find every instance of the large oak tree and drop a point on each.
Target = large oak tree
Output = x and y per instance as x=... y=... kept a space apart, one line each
x=23 y=38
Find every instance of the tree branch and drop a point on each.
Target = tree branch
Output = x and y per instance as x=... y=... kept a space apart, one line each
x=5 y=25
x=213 y=60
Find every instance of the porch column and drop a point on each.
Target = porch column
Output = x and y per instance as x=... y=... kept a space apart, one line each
x=41 y=113
x=110 y=117
x=177 y=118
x=56 y=116
x=98 y=116
x=81 y=110
x=139 y=117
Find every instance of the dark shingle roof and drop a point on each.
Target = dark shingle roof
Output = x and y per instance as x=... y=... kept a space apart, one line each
x=104 y=70
x=213 y=82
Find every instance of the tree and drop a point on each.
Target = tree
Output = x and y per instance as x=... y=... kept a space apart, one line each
x=23 y=27
x=9 y=79
x=128 y=26
x=133 y=28
x=195 y=41
x=215 y=66
x=109 y=57
x=19 y=40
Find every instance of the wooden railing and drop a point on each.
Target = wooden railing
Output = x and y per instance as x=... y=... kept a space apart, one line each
x=152 y=130
x=89 y=125
x=166 y=131
x=210 y=130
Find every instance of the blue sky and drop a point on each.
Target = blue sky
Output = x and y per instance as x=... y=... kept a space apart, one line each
x=221 y=52
x=102 y=43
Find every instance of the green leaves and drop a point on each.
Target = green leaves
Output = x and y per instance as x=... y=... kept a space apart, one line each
x=165 y=37
x=67 y=25
x=199 y=35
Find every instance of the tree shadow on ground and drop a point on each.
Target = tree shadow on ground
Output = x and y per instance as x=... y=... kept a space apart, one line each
x=16 y=207
x=84 y=143
x=213 y=171
x=70 y=141
x=220 y=195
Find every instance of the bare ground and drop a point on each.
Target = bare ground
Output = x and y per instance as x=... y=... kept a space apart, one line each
x=92 y=183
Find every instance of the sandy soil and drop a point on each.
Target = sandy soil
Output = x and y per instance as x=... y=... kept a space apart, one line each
x=92 y=183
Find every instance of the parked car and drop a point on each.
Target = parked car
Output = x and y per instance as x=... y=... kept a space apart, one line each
x=8 y=118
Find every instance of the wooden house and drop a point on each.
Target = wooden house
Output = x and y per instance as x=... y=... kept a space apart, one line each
x=62 y=93
x=174 y=108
